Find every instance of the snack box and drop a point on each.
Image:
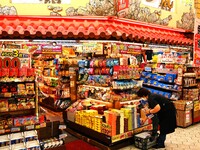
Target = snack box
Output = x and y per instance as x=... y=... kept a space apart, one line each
x=33 y=145
x=17 y=138
x=30 y=135
x=19 y=146
x=4 y=140
x=5 y=148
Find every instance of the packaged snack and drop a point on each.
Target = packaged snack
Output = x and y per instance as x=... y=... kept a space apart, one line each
x=13 y=88
x=22 y=72
x=5 y=141
x=33 y=145
x=13 y=72
x=30 y=88
x=30 y=135
x=21 y=89
x=12 y=104
x=5 y=148
x=21 y=103
x=18 y=146
x=17 y=138
x=4 y=88
x=3 y=105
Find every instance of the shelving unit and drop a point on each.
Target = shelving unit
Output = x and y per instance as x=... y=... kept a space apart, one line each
x=55 y=82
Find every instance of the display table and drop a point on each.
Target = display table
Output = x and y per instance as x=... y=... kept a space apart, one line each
x=101 y=140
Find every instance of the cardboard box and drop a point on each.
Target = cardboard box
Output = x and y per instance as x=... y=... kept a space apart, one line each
x=142 y=140
x=183 y=104
x=184 y=118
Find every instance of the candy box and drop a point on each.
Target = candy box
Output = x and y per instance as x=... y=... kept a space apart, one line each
x=17 y=138
x=12 y=104
x=160 y=78
x=170 y=78
x=3 y=105
x=4 y=140
x=30 y=88
x=30 y=135
x=18 y=146
x=5 y=148
x=144 y=74
x=33 y=145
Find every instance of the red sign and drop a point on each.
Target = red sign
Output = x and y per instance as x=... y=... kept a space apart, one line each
x=122 y=7
x=197 y=50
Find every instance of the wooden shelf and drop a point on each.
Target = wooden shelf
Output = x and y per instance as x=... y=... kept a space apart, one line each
x=102 y=139
x=50 y=107
x=21 y=112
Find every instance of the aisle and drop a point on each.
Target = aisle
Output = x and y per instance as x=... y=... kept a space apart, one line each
x=183 y=139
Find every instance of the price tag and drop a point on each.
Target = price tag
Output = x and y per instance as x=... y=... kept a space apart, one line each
x=42 y=125
x=7 y=130
x=16 y=129
x=30 y=127
x=62 y=136
x=2 y=131
x=61 y=127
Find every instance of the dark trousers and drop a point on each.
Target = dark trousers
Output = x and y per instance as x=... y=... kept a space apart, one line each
x=162 y=137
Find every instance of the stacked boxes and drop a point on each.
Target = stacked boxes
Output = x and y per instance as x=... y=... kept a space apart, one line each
x=184 y=112
x=89 y=119
x=27 y=140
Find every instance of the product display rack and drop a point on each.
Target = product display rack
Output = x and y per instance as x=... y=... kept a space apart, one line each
x=55 y=82
x=105 y=83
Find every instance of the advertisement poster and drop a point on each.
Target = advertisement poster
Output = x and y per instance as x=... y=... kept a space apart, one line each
x=122 y=7
x=167 y=5
x=41 y=1
x=14 y=58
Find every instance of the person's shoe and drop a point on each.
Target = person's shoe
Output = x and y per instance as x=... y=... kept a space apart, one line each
x=157 y=146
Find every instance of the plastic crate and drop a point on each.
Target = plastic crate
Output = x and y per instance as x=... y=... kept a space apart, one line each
x=142 y=140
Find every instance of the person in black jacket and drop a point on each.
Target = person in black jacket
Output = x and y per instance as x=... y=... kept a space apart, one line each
x=164 y=114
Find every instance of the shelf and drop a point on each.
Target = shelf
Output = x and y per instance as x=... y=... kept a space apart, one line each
x=188 y=86
x=21 y=112
x=15 y=129
x=96 y=100
x=51 y=107
x=125 y=102
x=161 y=87
x=17 y=96
x=93 y=86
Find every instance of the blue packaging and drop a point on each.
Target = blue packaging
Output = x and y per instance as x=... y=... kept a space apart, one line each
x=169 y=78
x=160 y=78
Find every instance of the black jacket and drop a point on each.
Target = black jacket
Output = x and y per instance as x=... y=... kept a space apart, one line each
x=167 y=113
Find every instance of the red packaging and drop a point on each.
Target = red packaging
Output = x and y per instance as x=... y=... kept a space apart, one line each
x=22 y=72
x=5 y=72
x=13 y=72
x=30 y=72
x=0 y=72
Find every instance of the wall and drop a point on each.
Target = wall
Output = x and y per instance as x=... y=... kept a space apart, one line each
x=181 y=14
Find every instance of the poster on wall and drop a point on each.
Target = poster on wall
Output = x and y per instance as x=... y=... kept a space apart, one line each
x=41 y=1
x=167 y=5
x=122 y=7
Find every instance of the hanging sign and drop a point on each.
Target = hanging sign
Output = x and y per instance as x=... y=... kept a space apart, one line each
x=51 y=49
x=14 y=58
x=196 y=55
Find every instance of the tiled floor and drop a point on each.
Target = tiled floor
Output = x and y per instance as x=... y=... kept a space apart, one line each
x=182 y=139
